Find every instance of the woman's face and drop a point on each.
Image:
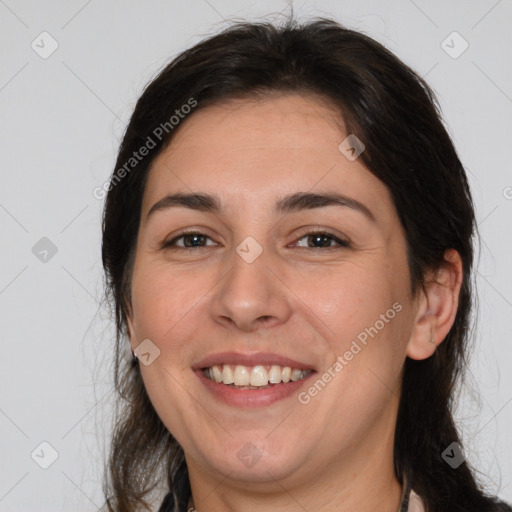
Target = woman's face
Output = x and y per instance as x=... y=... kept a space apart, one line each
x=259 y=287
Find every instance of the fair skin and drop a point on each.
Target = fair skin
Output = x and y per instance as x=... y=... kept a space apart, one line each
x=296 y=299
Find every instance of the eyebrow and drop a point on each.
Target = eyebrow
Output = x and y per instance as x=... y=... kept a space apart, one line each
x=288 y=204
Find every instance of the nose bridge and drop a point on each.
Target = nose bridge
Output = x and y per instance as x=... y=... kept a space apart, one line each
x=250 y=294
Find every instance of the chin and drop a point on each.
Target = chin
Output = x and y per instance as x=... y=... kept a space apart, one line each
x=252 y=462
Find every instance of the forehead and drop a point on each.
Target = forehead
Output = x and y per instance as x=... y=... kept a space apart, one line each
x=254 y=122
x=261 y=148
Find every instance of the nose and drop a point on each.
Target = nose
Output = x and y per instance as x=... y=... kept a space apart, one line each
x=251 y=296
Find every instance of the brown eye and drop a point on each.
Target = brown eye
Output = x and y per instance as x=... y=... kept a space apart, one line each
x=322 y=239
x=190 y=241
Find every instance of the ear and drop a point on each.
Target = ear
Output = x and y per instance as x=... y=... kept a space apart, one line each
x=131 y=331
x=437 y=307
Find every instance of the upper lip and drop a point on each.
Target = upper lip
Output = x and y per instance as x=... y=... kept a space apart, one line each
x=250 y=359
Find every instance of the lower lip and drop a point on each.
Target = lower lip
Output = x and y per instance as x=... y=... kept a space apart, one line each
x=251 y=397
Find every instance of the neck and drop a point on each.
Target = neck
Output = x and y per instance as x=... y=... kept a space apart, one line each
x=382 y=496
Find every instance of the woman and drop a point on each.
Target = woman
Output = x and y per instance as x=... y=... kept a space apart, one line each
x=287 y=240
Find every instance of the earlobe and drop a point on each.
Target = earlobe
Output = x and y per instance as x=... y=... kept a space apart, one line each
x=437 y=308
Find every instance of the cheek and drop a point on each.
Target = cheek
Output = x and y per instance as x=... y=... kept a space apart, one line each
x=348 y=299
x=162 y=299
x=361 y=314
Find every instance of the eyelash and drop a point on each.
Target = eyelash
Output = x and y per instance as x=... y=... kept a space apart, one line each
x=171 y=244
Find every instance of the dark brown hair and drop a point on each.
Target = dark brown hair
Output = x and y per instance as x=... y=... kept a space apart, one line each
x=394 y=112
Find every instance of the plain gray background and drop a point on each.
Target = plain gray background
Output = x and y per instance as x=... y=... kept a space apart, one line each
x=61 y=120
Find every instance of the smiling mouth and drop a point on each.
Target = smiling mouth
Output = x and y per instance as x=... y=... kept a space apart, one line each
x=253 y=377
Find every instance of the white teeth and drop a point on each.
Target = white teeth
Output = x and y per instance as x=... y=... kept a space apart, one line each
x=257 y=376
x=274 y=375
x=242 y=376
x=217 y=374
x=227 y=375
x=296 y=375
